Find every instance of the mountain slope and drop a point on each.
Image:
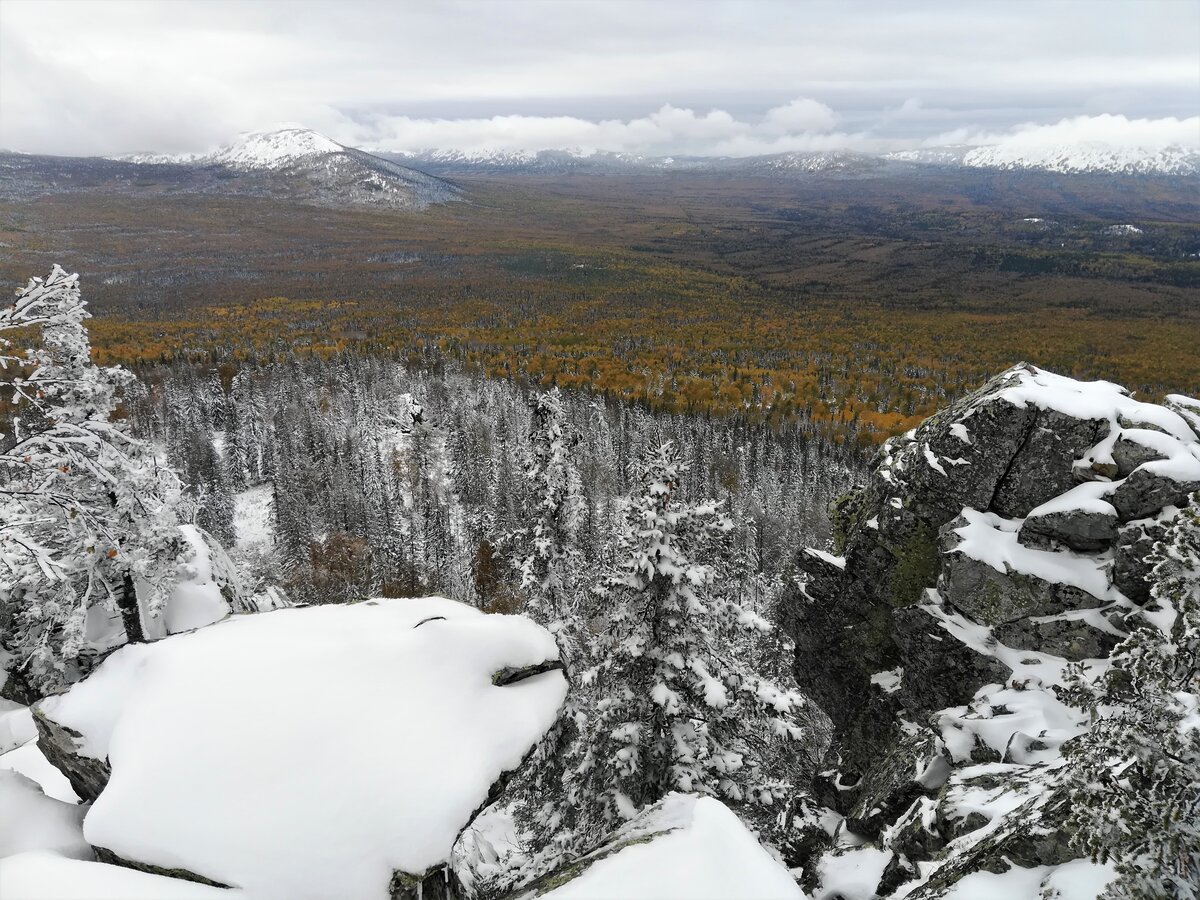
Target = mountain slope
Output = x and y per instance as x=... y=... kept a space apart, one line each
x=301 y=164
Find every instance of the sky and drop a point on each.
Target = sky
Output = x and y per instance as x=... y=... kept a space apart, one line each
x=701 y=77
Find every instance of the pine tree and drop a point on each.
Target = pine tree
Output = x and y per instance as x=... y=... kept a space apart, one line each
x=677 y=706
x=1135 y=776
x=545 y=551
x=86 y=512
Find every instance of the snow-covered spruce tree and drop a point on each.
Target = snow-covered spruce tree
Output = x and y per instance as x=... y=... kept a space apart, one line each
x=544 y=550
x=86 y=512
x=1135 y=776
x=677 y=705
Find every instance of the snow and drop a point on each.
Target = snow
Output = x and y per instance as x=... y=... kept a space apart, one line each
x=932 y=460
x=1079 y=879
x=28 y=760
x=16 y=725
x=196 y=600
x=252 y=512
x=838 y=561
x=1086 y=497
x=29 y=820
x=1090 y=400
x=708 y=853
x=390 y=701
x=992 y=539
x=48 y=876
x=272 y=149
x=852 y=875
x=889 y=681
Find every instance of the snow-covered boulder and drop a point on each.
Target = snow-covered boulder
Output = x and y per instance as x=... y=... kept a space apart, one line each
x=683 y=848
x=332 y=751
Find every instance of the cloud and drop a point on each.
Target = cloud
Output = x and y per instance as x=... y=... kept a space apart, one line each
x=110 y=76
x=1103 y=129
x=667 y=130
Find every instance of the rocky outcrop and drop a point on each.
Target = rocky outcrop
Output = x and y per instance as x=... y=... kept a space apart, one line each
x=1002 y=538
x=61 y=747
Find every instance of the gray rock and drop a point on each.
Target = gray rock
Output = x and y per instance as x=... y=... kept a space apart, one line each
x=1044 y=464
x=1079 y=529
x=60 y=745
x=917 y=766
x=993 y=597
x=1146 y=491
x=1130 y=568
x=1129 y=454
x=939 y=670
x=105 y=855
x=1034 y=835
x=1072 y=639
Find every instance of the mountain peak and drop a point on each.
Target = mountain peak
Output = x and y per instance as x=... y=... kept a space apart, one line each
x=273 y=149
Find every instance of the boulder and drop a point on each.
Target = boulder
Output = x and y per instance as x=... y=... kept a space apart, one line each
x=1150 y=488
x=1073 y=638
x=1135 y=540
x=1080 y=529
x=991 y=596
x=1129 y=453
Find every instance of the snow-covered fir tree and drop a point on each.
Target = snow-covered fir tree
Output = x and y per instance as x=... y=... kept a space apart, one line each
x=1135 y=776
x=677 y=705
x=87 y=512
x=545 y=551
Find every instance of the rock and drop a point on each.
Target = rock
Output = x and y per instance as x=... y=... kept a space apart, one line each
x=1135 y=540
x=1080 y=529
x=992 y=597
x=1071 y=638
x=917 y=765
x=939 y=670
x=60 y=745
x=107 y=856
x=915 y=834
x=1033 y=835
x=1129 y=453
x=1043 y=466
x=1148 y=490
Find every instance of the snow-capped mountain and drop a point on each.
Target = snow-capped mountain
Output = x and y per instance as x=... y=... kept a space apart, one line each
x=1078 y=158
x=1071 y=159
x=307 y=165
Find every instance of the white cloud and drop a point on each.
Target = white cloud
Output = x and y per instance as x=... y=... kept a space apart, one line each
x=1105 y=129
x=801 y=124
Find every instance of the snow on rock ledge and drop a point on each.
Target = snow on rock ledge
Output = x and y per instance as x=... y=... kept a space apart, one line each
x=683 y=848
x=309 y=753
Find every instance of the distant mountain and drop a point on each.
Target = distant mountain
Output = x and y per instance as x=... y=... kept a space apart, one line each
x=1069 y=159
x=302 y=164
x=460 y=162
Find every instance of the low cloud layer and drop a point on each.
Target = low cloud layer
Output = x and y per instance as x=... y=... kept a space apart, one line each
x=665 y=77
x=800 y=125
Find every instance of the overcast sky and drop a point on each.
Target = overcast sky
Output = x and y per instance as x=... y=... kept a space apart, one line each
x=676 y=77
